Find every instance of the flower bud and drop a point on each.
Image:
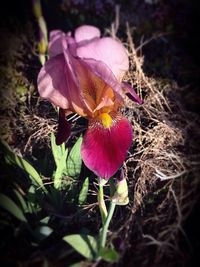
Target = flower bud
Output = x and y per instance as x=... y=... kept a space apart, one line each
x=37 y=8
x=121 y=194
x=43 y=41
x=102 y=181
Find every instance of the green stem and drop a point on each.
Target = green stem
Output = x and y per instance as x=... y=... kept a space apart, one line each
x=112 y=187
x=102 y=205
x=106 y=224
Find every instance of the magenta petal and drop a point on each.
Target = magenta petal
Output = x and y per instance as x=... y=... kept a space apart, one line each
x=86 y=32
x=104 y=149
x=64 y=128
x=130 y=92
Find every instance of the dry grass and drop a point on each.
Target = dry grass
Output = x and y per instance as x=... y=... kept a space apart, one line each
x=162 y=171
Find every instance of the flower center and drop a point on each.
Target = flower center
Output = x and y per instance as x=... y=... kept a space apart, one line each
x=105 y=119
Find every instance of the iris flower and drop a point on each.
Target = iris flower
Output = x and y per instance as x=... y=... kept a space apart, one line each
x=84 y=75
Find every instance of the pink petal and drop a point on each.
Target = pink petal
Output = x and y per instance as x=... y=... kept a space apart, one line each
x=64 y=128
x=73 y=82
x=52 y=83
x=94 y=78
x=109 y=51
x=104 y=149
x=101 y=70
x=86 y=32
x=86 y=74
x=58 y=83
x=55 y=43
x=130 y=92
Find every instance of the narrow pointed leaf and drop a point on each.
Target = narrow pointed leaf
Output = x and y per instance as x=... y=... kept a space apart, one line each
x=60 y=169
x=22 y=201
x=14 y=159
x=86 y=245
x=109 y=255
x=56 y=150
x=84 y=191
x=9 y=205
x=74 y=160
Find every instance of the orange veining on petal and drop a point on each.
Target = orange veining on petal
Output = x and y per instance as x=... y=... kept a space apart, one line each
x=97 y=95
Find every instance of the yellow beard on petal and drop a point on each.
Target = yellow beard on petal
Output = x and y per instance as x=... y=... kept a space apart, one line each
x=106 y=119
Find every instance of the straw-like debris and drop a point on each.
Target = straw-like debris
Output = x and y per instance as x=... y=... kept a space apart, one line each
x=162 y=171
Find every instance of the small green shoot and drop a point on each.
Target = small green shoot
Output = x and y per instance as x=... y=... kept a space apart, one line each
x=84 y=191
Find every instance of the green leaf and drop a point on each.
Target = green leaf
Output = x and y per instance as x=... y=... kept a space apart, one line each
x=14 y=159
x=60 y=169
x=45 y=220
x=84 y=191
x=11 y=207
x=22 y=201
x=74 y=161
x=86 y=245
x=42 y=232
x=79 y=264
x=57 y=151
x=109 y=255
x=45 y=263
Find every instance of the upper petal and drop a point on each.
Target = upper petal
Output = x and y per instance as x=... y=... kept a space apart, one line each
x=73 y=78
x=55 y=43
x=86 y=32
x=109 y=51
x=55 y=46
x=101 y=70
x=98 y=86
x=52 y=83
x=104 y=149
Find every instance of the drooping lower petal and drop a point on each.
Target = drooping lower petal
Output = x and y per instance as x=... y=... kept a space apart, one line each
x=64 y=128
x=130 y=92
x=104 y=149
